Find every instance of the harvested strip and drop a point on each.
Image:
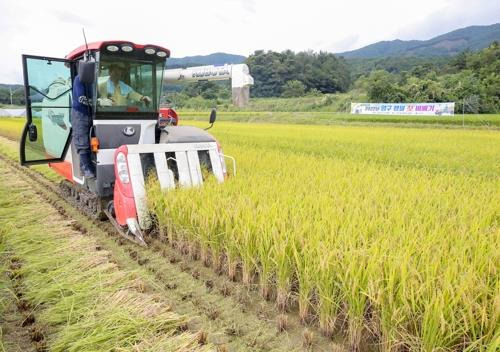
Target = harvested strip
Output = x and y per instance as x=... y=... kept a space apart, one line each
x=15 y=324
x=81 y=299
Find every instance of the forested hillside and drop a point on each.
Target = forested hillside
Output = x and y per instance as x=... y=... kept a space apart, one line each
x=201 y=60
x=288 y=73
x=451 y=43
x=472 y=79
x=394 y=64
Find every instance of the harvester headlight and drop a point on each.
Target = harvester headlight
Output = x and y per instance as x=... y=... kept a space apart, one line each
x=150 y=51
x=127 y=48
x=122 y=168
x=112 y=48
x=161 y=54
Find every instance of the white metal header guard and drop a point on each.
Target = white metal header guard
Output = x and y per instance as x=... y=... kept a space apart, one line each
x=188 y=167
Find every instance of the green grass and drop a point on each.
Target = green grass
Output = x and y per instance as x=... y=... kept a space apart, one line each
x=323 y=102
x=331 y=118
x=8 y=106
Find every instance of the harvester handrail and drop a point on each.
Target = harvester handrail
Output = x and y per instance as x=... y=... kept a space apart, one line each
x=234 y=162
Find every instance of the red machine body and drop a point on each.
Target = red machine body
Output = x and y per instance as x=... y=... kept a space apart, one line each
x=123 y=197
x=168 y=116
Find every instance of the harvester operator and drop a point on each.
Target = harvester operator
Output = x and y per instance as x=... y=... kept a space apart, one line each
x=81 y=120
x=115 y=92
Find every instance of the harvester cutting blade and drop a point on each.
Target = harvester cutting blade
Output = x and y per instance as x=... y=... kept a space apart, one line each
x=137 y=238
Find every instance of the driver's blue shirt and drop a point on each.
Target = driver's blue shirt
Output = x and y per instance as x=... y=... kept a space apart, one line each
x=81 y=115
x=82 y=96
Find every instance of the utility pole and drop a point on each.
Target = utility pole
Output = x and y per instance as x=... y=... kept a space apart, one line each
x=12 y=92
x=463 y=113
x=463 y=105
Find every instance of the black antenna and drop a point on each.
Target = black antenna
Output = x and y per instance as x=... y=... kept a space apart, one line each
x=86 y=45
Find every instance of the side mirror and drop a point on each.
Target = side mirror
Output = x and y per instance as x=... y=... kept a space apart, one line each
x=32 y=133
x=86 y=71
x=213 y=115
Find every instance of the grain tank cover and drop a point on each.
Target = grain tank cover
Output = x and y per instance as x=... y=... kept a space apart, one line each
x=185 y=134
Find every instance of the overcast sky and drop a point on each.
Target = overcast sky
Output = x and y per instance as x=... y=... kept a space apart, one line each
x=187 y=27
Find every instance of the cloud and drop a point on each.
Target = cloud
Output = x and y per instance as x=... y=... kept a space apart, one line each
x=191 y=27
x=9 y=18
x=346 y=43
x=69 y=17
x=248 y=5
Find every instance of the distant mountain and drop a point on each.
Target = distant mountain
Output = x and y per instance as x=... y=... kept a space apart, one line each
x=473 y=37
x=13 y=86
x=201 y=60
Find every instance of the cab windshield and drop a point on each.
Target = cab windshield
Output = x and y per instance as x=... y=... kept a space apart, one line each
x=129 y=86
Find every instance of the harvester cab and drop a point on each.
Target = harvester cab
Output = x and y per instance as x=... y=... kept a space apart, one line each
x=132 y=136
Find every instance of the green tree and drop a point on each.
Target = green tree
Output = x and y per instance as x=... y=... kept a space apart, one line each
x=4 y=96
x=382 y=88
x=293 y=88
x=205 y=89
x=322 y=71
x=423 y=90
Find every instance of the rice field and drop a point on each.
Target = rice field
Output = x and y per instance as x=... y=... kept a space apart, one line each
x=385 y=236
x=388 y=236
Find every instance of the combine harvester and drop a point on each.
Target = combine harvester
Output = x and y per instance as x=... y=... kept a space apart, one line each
x=129 y=141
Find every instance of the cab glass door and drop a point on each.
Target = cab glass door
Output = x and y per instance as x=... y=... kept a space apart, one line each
x=47 y=84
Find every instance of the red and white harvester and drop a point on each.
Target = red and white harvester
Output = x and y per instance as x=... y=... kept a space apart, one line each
x=129 y=140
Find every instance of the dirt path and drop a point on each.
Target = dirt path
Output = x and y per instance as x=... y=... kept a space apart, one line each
x=223 y=313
